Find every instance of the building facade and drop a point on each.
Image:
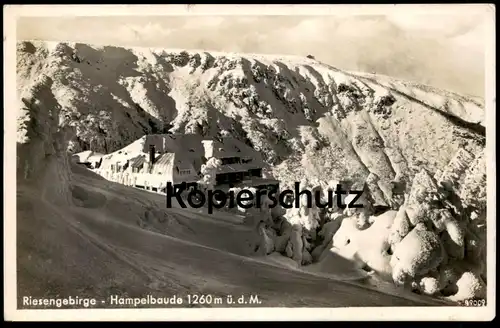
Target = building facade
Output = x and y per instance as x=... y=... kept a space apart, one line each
x=153 y=160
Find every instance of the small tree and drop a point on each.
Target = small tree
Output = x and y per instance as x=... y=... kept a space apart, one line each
x=209 y=171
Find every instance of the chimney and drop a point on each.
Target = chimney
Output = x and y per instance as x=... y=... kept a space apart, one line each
x=151 y=154
x=208 y=145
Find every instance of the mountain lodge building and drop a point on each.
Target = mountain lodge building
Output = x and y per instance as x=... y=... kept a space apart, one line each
x=153 y=160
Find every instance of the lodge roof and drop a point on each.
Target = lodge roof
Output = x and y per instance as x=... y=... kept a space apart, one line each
x=88 y=156
x=162 y=163
x=183 y=151
x=230 y=168
x=232 y=147
x=137 y=161
x=174 y=143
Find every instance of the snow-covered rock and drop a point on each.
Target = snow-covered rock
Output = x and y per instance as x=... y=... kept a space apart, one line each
x=400 y=227
x=470 y=286
x=368 y=246
x=429 y=285
x=297 y=244
x=423 y=195
x=419 y=252
x=268 y=236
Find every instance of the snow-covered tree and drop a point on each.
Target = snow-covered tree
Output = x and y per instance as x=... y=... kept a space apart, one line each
x=209 y=171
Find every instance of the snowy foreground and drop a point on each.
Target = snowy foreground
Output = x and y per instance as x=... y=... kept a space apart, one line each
x=112 y=239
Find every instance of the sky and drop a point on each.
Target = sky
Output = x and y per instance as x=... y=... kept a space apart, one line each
x=445 y=50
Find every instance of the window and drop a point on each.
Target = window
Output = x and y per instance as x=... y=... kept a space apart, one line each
x=256 y=172
x=238 y=177
x=222 y=178
x=230 y=160
x=184 y=172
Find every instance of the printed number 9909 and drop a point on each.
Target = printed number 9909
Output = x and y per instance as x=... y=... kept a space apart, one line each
x=479 y=302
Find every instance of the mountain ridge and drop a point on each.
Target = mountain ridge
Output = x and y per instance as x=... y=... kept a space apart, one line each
x=112 y=96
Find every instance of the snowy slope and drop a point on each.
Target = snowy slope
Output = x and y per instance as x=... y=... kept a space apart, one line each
x=92 y=247
x=311 y=122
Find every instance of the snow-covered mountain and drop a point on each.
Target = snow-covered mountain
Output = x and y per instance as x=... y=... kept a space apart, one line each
x=282 y=105
x=310 y=121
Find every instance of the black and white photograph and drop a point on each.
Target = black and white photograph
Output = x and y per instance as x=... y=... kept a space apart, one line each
x=249 y=162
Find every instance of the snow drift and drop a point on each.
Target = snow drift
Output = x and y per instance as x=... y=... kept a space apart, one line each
x=418 y=152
